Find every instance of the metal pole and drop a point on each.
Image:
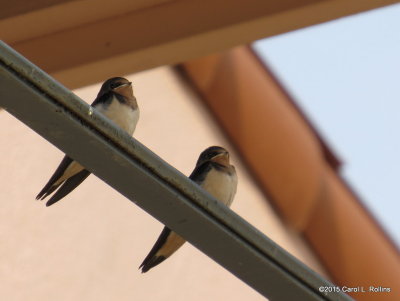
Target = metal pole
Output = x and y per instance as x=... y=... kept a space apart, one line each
x=69 y=123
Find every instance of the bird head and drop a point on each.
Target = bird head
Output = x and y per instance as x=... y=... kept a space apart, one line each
x=117 y=85
x=215 y=154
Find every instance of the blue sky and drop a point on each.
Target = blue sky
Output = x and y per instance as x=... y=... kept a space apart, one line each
x=345 y=75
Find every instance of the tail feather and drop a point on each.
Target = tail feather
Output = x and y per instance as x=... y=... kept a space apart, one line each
x=152 y=262
x=152 y=259
x=47 y=190
x=68 y=186
x=50 y=187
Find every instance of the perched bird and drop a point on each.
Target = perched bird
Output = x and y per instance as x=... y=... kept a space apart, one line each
x=116 y=101
x=213 y=173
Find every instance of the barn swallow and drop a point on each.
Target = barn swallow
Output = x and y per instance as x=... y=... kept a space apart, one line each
x=214 y=174
x=116 y=101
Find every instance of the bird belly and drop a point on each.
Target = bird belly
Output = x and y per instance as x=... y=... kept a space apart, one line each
x=121 y=114
x=71 y=170
x=220 y=185
x=173 y=243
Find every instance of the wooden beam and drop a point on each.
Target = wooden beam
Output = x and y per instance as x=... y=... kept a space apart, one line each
x=18 y=7
x=84 y=41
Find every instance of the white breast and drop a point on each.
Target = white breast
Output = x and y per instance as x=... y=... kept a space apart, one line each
x=221 y=185
x=121 y=114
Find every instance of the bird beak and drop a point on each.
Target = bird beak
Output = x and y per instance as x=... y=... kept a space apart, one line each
x=127 y=84
x=125 y=89
x=222 y=158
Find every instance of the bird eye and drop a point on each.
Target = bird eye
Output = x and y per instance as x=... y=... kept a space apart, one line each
x=112 y=86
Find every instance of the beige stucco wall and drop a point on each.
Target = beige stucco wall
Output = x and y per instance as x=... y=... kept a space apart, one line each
x=89 y=245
